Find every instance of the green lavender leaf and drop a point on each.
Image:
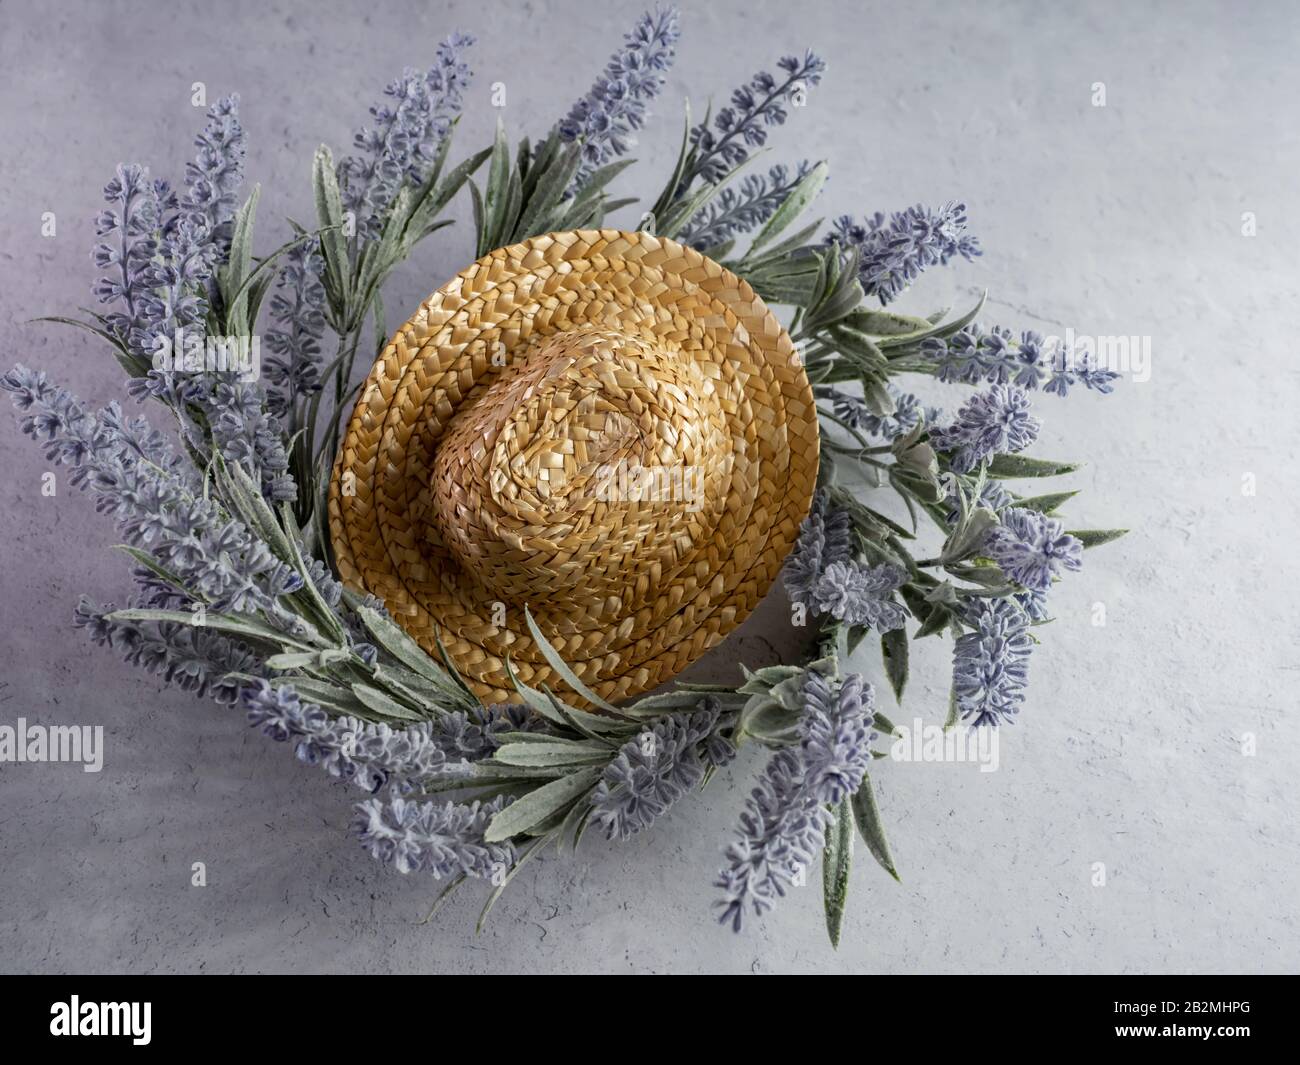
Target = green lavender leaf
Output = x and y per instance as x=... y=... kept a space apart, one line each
x=575 y=822
x=867 y=816
x=383 y=704
x=590 y=199
x=441 y=898
x=894 y=647
x=879 y=323
x=1097 y=537
x=837 y=861
x=909 y=341
x=243 y=498
x=393 y=639
x=685 y=153
x=883 y=724
x=1012 y=466
x=1046 y=504
x=243 y=626
x=535 y=807
x=555 y=753
x=792 y=206
x=238 y=268
x=951 y=720
x=306 y=659
x=546 y=705
x=329 y=214
x=561 y=667
x=131 y=363
x=654 y=705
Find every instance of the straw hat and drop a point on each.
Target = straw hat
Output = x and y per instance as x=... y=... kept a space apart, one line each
x=605 y=427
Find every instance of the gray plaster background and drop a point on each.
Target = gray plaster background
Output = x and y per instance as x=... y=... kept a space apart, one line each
x=1117 y=220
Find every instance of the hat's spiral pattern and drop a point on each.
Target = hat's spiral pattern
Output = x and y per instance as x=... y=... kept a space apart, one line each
x=605 y=427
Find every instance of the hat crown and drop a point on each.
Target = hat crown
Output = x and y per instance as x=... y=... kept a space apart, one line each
x=586 y=464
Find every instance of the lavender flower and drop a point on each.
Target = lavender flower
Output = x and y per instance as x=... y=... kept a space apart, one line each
x=732 y=212
x=444 y=839
x=996 y=422
x=371 y=755
x=135 y=217
x=781 y=829
x=171 y=317
x=835 y=735
x=785 y=817
x=156 y=503
x=651 y=772
x=321 y=578
x=755 y=108
x=1033 y=602
x=855 y=413
x=1031 y=548
x=825 y=537
x=1098 y=379
x=893 y=252
x=246 y=433
x=213 y=178
x=403 y=142
x=176 y=283
x=191 y=657
x=1029 y=363
x=972 y=355
x=991 y=663
x=293 y=370
x=858 y=594
x=476 y=734
x=615 y=105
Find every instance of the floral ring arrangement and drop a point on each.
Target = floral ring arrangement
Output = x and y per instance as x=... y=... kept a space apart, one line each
x=455 y=597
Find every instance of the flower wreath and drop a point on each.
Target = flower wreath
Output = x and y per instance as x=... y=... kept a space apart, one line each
x=235 y=596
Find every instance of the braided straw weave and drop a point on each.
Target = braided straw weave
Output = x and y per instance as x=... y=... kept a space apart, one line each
x=496 y=459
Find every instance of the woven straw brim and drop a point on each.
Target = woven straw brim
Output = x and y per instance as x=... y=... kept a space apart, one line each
x=474 y=477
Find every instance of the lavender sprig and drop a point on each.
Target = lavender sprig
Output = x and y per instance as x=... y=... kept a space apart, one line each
x=176 y=299
x=403 y=141
x=293 y=370
x=248 y=434
x=855 y=413
x=973 y=355
x=213 y=178
x=785 y=817
x=858 y=594
x=191 y=657
x=996 y=422
x=755 y=107
x=140 y=482
x=136 y=216
x=651 y=772
x=370 y=755
x=894 y=251
x=616 y=105
x=781 y=829
x=475 y=734
x=991 y=663
x=825 y=538
x=444 y=839
x=732 y=212
x=1031 y=548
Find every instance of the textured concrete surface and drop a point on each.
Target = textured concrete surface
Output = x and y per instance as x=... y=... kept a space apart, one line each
x=1123 y=219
